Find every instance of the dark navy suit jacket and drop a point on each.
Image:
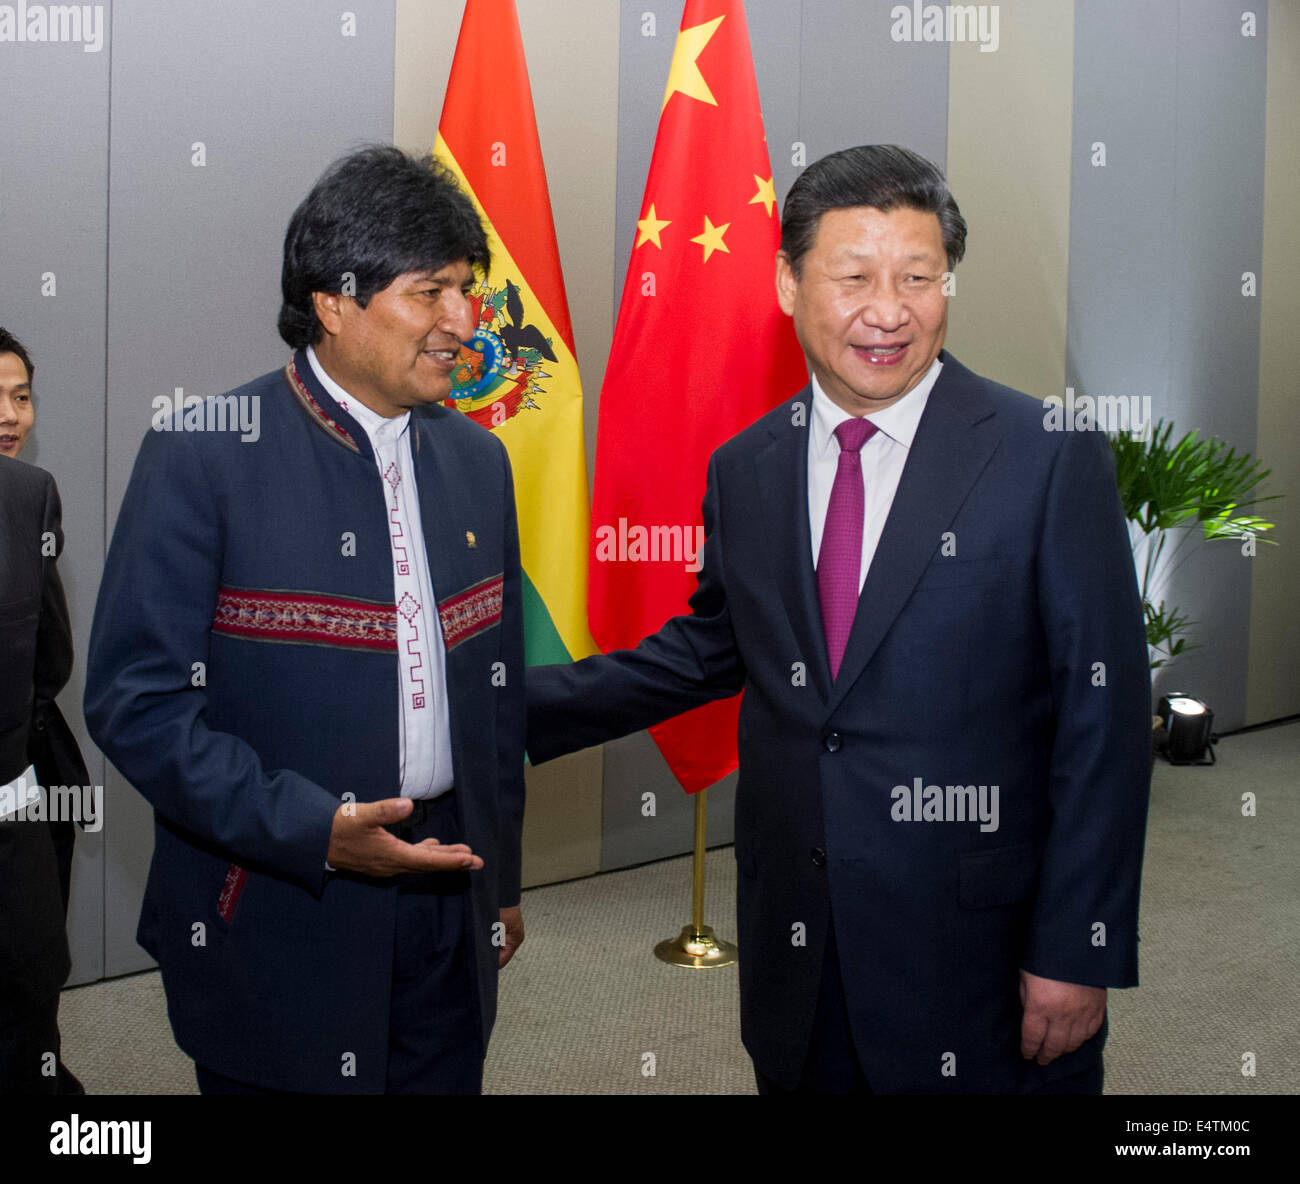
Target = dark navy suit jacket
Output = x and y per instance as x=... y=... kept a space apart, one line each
x=998 y=641
x=269 y=564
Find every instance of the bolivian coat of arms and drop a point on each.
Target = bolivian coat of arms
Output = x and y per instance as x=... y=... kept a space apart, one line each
x=499 y=369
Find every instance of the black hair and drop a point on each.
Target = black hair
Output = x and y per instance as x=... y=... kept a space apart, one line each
x=881 y=175
x=375 y=214
x=9 y=344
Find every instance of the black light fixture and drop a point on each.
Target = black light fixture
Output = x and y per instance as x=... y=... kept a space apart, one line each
x=1188 y=723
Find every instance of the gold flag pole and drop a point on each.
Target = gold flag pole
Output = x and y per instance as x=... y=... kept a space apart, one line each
x=696 y=946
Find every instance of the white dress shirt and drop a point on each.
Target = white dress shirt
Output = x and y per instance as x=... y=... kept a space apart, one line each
x=883 y=457
x=424 y=755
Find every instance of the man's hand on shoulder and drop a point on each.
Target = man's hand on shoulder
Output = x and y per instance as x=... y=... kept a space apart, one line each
x=359 y=843
x=1058 y=1016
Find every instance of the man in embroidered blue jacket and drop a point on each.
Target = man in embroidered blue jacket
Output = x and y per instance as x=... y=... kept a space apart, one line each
x=307 y=621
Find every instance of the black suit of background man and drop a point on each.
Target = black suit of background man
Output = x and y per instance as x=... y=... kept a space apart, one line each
x=36 y=663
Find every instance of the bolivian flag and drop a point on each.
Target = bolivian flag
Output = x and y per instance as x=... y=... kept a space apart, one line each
x=518 y=377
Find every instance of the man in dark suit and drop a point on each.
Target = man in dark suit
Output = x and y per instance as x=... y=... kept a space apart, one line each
x=52 y=753
x=308 y=655
x=36 y=663
x=930 y=604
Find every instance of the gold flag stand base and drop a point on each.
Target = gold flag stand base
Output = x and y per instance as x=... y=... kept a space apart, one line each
x=696 y=946
x=696 y=949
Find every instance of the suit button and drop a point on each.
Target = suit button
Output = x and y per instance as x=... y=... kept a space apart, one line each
x=833 y=742
x=818 y=857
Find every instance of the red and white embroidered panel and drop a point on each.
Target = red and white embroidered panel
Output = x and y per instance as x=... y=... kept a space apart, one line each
x=469 y=612
x=305 y=617
x=406 y=580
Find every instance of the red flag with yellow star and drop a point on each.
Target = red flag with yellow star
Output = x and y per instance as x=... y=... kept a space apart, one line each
x=700 y=351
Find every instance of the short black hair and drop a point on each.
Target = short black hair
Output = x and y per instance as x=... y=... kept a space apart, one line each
x=9 y=344
x=881 y=175
x=375 y=214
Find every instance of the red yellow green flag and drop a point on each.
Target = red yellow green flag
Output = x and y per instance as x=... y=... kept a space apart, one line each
x=700 y=351
x=519 y=375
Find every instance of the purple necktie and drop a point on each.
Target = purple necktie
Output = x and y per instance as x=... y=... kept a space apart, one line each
x=839 y=562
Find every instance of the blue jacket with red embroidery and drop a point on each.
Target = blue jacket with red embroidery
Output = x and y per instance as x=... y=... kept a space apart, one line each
x=243 y=676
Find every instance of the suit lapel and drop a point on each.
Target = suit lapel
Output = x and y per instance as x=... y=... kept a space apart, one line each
x=781 y=473
x=954 y=441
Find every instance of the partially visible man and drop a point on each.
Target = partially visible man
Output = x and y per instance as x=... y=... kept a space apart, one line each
x=308 y=655
x=17 y=413
x=52 y=747
x=35 y=662
x=930 y=603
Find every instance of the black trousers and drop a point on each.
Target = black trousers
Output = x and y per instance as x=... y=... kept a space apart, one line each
x=435 y=1043
x=27 y=1040
x=28 y=1035
x=833 y=1067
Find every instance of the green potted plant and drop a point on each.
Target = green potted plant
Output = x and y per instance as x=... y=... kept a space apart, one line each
x=1170 y=490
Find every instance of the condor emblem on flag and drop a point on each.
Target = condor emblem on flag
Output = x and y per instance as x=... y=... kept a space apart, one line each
x=499 y=370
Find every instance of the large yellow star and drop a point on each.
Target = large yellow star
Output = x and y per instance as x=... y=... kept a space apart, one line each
x=684 y=75
x=711 y=238
x=766 y=194
x=649 y=228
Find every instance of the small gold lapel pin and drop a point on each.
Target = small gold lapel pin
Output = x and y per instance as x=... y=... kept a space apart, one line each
x=470 y=539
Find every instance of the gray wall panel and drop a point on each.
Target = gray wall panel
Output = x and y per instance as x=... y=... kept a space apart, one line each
x=1159 y=240
x=1214 y=360
x=1219 y=205
x=53 y=215
x=643 y=63
x=274 y=92
x=859 y=86
x=1122 y=238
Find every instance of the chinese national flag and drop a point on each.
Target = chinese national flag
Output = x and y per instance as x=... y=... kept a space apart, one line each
x=700 y=351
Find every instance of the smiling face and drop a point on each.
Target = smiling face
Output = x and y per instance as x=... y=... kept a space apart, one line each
x=16 y=411
x=868 y=305
x=399 y=351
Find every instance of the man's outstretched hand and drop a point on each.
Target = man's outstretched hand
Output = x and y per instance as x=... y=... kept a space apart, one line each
x=1058 y=1016
x=359 y=843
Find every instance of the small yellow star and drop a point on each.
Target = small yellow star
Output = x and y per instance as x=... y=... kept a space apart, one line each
x=766 y=194
x=711 y=238
x=684 y=75
x=649 y=228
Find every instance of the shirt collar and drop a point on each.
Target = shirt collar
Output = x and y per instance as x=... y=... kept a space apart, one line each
x=898 y=421
x=379 y=428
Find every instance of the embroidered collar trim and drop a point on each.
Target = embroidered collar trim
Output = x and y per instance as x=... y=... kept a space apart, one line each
x=334 y=429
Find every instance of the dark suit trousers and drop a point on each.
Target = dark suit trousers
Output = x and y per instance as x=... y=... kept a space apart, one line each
x=832 y=1066
x=434 y=1041
x=63 y=835
x=26 y=1040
